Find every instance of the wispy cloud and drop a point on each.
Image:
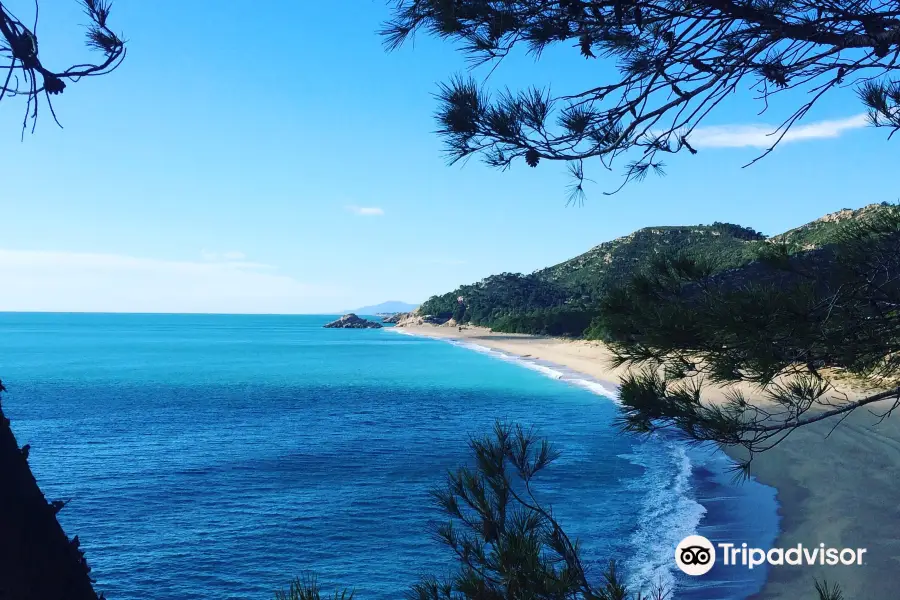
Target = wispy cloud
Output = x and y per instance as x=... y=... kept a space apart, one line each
x=365 y=211
x=761 y=136
x=75 y=281
x=229 y=256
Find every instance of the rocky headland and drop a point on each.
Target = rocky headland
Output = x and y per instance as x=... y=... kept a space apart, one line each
x=351 y=321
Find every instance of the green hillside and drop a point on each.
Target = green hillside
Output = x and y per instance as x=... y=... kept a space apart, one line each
x=610 y=262
x=822 y=231
x=563 y=299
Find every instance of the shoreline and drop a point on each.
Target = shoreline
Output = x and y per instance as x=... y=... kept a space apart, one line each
x=839 y=491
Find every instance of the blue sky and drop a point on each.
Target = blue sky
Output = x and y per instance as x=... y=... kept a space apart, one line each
x=276 y=159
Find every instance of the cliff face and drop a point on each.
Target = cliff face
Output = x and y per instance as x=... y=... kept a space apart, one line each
x=410 y=318
x=416 y=318
x=37 y=559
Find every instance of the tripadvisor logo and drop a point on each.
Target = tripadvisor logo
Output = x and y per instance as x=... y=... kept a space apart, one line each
x=695 y=555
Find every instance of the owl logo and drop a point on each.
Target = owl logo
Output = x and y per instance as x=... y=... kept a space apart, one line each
x=695 y=555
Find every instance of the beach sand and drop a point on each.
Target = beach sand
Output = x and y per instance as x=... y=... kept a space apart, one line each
x=839 y=488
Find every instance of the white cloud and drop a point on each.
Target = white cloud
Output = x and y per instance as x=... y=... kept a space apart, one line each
x=365 y=211
x=216 y=256
x=75 y=281
x=761 y=136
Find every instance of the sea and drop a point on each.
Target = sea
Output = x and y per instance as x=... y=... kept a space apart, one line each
x=221 y=456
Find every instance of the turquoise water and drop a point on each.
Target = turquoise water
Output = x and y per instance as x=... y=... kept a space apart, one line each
x=220 y=456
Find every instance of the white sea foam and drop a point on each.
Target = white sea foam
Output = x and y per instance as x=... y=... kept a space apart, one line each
x=551 y=373
x=544 y=368
x=399 y=330
x=668 y=512
x=599 y=388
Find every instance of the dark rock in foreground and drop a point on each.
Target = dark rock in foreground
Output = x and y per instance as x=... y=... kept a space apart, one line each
x=351 y=321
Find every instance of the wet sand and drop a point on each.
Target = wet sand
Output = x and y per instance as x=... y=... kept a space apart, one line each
x=840 y=489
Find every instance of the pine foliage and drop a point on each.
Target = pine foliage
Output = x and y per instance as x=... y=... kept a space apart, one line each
x=26 y=73
x=676 y=62
x=791 y=327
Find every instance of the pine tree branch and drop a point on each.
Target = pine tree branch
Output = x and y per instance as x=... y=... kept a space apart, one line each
x=850 y=406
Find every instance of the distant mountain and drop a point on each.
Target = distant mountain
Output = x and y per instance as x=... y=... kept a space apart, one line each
x=391 y=306
x=562 y=299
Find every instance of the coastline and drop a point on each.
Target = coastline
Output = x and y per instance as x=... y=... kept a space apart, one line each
x=838 y=491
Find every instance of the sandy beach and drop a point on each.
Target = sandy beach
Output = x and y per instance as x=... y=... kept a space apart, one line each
x=839 y=488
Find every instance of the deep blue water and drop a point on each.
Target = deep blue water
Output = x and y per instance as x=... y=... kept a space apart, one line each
x=220 y=456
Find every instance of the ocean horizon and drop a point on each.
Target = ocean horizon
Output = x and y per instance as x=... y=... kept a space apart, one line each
x=223 y=455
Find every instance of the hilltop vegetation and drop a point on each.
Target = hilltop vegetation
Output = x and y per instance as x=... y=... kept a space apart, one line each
x=826 y=229
x=564 y=299
x=603 y=266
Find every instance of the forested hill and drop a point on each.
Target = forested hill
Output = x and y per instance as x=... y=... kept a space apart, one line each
x=610 y=262
x=562 y=299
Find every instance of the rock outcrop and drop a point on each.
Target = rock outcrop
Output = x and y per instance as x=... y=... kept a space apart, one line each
x=394 y=318
x=351 y=321
x=410 y=319
x=416 y=318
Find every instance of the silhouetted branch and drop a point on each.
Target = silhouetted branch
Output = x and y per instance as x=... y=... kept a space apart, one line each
x=26 y=73
x=677 y=60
